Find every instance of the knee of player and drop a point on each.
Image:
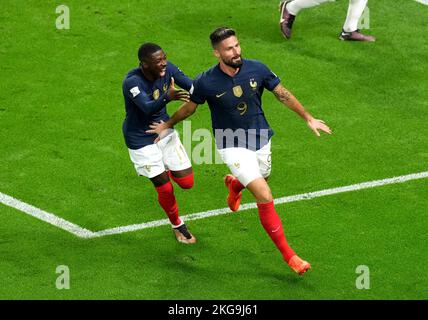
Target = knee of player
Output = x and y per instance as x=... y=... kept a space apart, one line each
x=186 y=182
x=165 y=188
x=265 y=196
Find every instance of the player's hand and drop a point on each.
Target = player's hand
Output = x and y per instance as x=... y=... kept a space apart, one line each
x=177 y=94
x=159 y=128
x=315 y=125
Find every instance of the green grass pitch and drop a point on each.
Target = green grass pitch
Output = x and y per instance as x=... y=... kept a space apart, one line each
x=62 y=150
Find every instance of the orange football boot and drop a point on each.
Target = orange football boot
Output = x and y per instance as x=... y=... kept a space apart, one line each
x=298 y=265
x=233 y=198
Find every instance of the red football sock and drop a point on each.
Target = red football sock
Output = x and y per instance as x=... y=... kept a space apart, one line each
x=237 y=186
x=184 y=182
x=168 y=203
x=273 y=226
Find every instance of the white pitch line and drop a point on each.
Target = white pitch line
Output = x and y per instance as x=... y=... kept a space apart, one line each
x=46 y=216
x=425 y=2
x=85 y=233
x=298 y=197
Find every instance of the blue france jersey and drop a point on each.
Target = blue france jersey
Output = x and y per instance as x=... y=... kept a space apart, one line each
x=145 y=102
x=235 y=104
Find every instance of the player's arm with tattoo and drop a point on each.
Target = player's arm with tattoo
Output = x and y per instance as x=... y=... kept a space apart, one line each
x=290 y=101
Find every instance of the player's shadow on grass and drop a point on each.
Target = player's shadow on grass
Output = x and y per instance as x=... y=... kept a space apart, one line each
x=181 y=261
x=282 y=275
x=287 y=279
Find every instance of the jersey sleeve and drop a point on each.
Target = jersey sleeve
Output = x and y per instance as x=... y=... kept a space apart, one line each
x=196 y=91
x=180 y=78
x=134 y=90
x=270 y=79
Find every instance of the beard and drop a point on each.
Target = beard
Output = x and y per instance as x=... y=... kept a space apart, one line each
x=233 y=64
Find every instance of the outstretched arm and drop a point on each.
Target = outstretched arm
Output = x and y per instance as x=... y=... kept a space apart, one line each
x=290 y=101
x=185 y=111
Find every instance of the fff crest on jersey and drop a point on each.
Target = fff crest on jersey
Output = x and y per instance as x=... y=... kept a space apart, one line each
x=237 y=91
x=156 y=94
x=165 y=86
x=253 y=84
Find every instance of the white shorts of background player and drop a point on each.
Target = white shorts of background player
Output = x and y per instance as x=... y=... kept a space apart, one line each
x=167 y=154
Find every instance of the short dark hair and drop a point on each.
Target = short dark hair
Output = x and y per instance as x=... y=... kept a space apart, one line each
x=146 y=50
x=219 y=34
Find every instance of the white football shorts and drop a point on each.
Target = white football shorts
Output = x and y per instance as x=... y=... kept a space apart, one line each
x=167 y=154
x=248 y=165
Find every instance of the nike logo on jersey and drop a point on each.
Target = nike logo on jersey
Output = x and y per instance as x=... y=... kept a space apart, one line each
x=220 y=95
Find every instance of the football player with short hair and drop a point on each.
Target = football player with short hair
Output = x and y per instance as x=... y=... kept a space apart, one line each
x=233 y=89
x=147 y=90
x=290 y=9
